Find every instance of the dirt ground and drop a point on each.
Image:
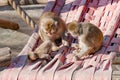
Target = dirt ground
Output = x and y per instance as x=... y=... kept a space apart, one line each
x=7 y=13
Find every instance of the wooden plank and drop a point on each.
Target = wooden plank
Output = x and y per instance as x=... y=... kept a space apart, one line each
x=8 y=24
x=5 y=56
x=30 y=70
x=65 y=10
x=50 y=5
x=58 y=7
x=71 y=14
x=81 y=10
x=3 y=2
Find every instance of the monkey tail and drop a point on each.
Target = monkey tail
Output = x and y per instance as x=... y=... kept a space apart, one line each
x=22 y=13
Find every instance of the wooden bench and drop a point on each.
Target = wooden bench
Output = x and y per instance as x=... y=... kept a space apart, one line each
x=103 y=13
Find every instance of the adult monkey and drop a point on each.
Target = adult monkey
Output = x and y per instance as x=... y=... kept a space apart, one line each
x=52 y=32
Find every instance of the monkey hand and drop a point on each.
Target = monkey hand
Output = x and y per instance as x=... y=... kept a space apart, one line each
x=55 y=48
x=32 y=56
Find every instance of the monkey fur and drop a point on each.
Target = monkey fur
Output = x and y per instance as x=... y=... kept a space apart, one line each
x=52 y=31
x=89 y=37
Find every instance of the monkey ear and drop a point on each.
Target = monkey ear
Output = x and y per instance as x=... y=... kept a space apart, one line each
x=71 y=26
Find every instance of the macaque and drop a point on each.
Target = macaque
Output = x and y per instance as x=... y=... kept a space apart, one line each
x=89 y=37
x=52 y=32
x=41 y=51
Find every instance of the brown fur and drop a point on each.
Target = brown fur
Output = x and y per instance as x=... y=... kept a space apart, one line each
x=51 y=31
x=90 y=37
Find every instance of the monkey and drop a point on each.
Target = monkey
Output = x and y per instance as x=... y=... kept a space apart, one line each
x=43 y=49
x=89 y=37
x=51 y=29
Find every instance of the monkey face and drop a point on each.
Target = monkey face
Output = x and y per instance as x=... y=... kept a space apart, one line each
x=49 y=26
x=73 y=29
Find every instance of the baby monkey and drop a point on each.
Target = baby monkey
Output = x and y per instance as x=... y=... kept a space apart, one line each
x=89 y=37
x=52 y=32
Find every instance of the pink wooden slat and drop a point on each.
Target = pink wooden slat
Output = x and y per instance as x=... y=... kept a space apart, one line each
x=80 y=10
x=60 y=2
x=102 y=26
x=97 y=16
x=89 y=17
x=96 y=21
x=108 y=56
x=108 y=7
x=91 y=62
x=69 y=1
x=95 y=60
x=102 y=3
x=49 y=6
x=104 y=67
x=72 y=12
x=65 y=10
x=106 y=40
x=84 y=2
x=99 y=11
x=57 y=9
x=64 y=15
x=30 y=71
x=66 y=72
x=48 y=71
x=118 y=31
x=112 y=25
x=76 y=2
x=114 y=48
x=79 y=13
x=115 y=40
x=80 y=74
x=91 y=10
x=103 y=73
x=71 y=15
x=93 y=3
x=110 y=30
x=59 y=5
x=114 y=22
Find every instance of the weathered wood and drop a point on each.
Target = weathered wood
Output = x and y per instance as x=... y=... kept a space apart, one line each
x=5 y=56
x=24 y=2
x=8 y=24
x=3 y=2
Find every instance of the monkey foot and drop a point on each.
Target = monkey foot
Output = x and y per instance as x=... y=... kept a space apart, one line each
x=32 y=56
